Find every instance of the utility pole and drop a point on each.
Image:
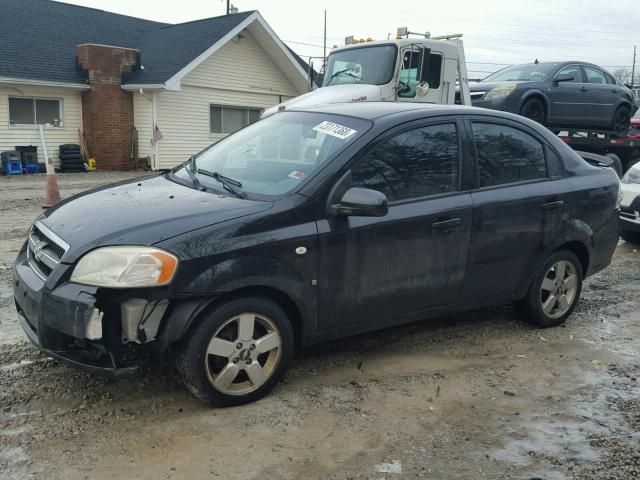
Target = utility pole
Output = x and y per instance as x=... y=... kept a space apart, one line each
x=228 y=6
x=324 y=43
x=633 y=66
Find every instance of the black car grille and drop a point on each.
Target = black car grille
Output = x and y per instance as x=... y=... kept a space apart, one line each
x=629 y=215
x=43 y=251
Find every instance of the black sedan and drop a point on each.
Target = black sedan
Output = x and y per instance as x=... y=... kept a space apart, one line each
x=559 y=94
x=311 y=225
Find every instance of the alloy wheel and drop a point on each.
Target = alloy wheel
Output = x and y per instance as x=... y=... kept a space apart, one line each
x=243 y=354
x=559 y=288
x=621 y=122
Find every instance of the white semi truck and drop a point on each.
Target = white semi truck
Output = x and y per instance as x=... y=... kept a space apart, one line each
x=404 y=69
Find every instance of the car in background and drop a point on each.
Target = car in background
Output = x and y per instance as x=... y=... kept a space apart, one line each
x=568 y=94
x=630 y=205
x=311 y=225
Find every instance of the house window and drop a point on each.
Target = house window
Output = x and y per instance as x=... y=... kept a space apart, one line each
x=231 y=119
x=35 y=111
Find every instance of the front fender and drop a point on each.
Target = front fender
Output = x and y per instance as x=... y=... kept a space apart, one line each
x=534 y=92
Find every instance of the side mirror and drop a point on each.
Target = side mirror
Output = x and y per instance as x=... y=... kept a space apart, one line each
x=564 y=78
x=362 y=202
x=422 y=89
x=424 y=68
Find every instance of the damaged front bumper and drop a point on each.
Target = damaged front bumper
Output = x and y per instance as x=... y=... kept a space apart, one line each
x=80 y=326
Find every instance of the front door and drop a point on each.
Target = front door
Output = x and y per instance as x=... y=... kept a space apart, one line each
x=567 y=98
x=372 y=268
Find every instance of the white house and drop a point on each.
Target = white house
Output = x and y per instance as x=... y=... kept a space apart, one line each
x=124 y=81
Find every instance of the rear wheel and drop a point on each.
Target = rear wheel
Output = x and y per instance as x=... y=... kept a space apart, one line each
x=237 y=353
x=534 y=109
x=621 y=120
x=555 y=290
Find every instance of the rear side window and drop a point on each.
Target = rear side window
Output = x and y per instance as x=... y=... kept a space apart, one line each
x=507 y=155
x=412 y=164
x=594 y=75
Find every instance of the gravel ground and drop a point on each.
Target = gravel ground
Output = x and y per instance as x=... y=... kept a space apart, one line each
x=479 y=395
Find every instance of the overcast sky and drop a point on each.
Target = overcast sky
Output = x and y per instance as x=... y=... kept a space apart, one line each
x=495 y=32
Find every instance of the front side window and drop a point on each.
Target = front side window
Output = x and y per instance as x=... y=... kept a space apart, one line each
x=372 y=65
x=507 y=155
x=231 y=119
x=412 y=164
x=523 y=73
x=274 y=155
x=571 y=71
x=411 y=73
x=35 y=111
x=595 y=76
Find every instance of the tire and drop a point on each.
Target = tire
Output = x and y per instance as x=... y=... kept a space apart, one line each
x=73 y=156
x=629 y=236
x=620 y=123
x=533 y=307
x=70 y=146
x=534 y=109
x=74 y=164
x=617 y=163
x=231 y=377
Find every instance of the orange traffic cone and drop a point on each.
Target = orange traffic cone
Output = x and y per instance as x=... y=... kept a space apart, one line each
x=53 y=192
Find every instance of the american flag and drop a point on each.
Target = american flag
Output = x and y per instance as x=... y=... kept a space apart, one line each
x=157 y=135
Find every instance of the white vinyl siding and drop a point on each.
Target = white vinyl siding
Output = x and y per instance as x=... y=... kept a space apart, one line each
x=142 y=120
x=239 y=74
x=184 y=119
x=71 y=108
x=241 y=65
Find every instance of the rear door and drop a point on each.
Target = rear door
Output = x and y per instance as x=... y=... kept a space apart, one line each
x=601 y=96
x=567 y=97
x=518 y=205
x=415 y=257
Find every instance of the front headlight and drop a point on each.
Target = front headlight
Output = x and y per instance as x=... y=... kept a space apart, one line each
x=126 y=267
x=501 y=91
x=632 y=176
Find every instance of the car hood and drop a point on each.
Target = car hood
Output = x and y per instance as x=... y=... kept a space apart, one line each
x=141 y=212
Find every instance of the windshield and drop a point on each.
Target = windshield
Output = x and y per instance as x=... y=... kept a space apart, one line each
x=273 y=156
x=372 y=65
x=522 y=72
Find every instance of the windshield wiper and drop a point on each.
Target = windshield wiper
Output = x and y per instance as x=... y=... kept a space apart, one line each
x=229 y=184
x=191 y=169
x=343 y=72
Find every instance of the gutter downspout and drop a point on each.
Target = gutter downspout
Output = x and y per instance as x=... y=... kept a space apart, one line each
x=154 y=121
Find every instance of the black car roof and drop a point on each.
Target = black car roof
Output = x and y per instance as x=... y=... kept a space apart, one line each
x=374 y=110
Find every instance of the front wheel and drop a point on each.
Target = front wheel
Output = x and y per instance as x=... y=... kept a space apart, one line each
x=554 y=292
x=237 y=352
x=533 y=109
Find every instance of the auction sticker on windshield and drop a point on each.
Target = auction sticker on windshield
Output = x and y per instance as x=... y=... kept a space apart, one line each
x=335 y=130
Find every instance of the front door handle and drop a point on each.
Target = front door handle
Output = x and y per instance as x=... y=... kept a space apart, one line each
x=583 y=89
x=549 y=206
x=615 y=90
x=446 y=225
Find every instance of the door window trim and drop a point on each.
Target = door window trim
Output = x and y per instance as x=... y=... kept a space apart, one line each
x=456 y=120
x=468 y=121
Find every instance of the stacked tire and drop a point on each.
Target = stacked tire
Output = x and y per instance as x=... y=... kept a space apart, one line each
x=71 y=158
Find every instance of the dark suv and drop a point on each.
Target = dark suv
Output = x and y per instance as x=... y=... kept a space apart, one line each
x=559 y=94
x=311 y=225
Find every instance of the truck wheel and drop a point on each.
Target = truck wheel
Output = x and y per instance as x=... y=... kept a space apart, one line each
x=621 y=121
x=554 y=292
x=534 y=109
x=629 y=236
x=237 y=352
x=617 y=163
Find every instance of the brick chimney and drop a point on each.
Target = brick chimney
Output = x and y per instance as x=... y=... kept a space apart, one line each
x=107 y=109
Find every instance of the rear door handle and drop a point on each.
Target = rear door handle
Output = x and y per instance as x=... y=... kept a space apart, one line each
x=615 y=90
x=583 y=89
x=446 y=225
x=549 y=206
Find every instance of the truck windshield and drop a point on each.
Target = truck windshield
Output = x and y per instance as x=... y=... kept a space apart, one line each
x=522 y=73
x=272 y=156
x=372 y=65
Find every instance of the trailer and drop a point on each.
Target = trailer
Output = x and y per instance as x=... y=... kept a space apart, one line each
x=624 y=151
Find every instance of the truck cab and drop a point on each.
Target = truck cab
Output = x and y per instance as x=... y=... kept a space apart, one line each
x=403 y=69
